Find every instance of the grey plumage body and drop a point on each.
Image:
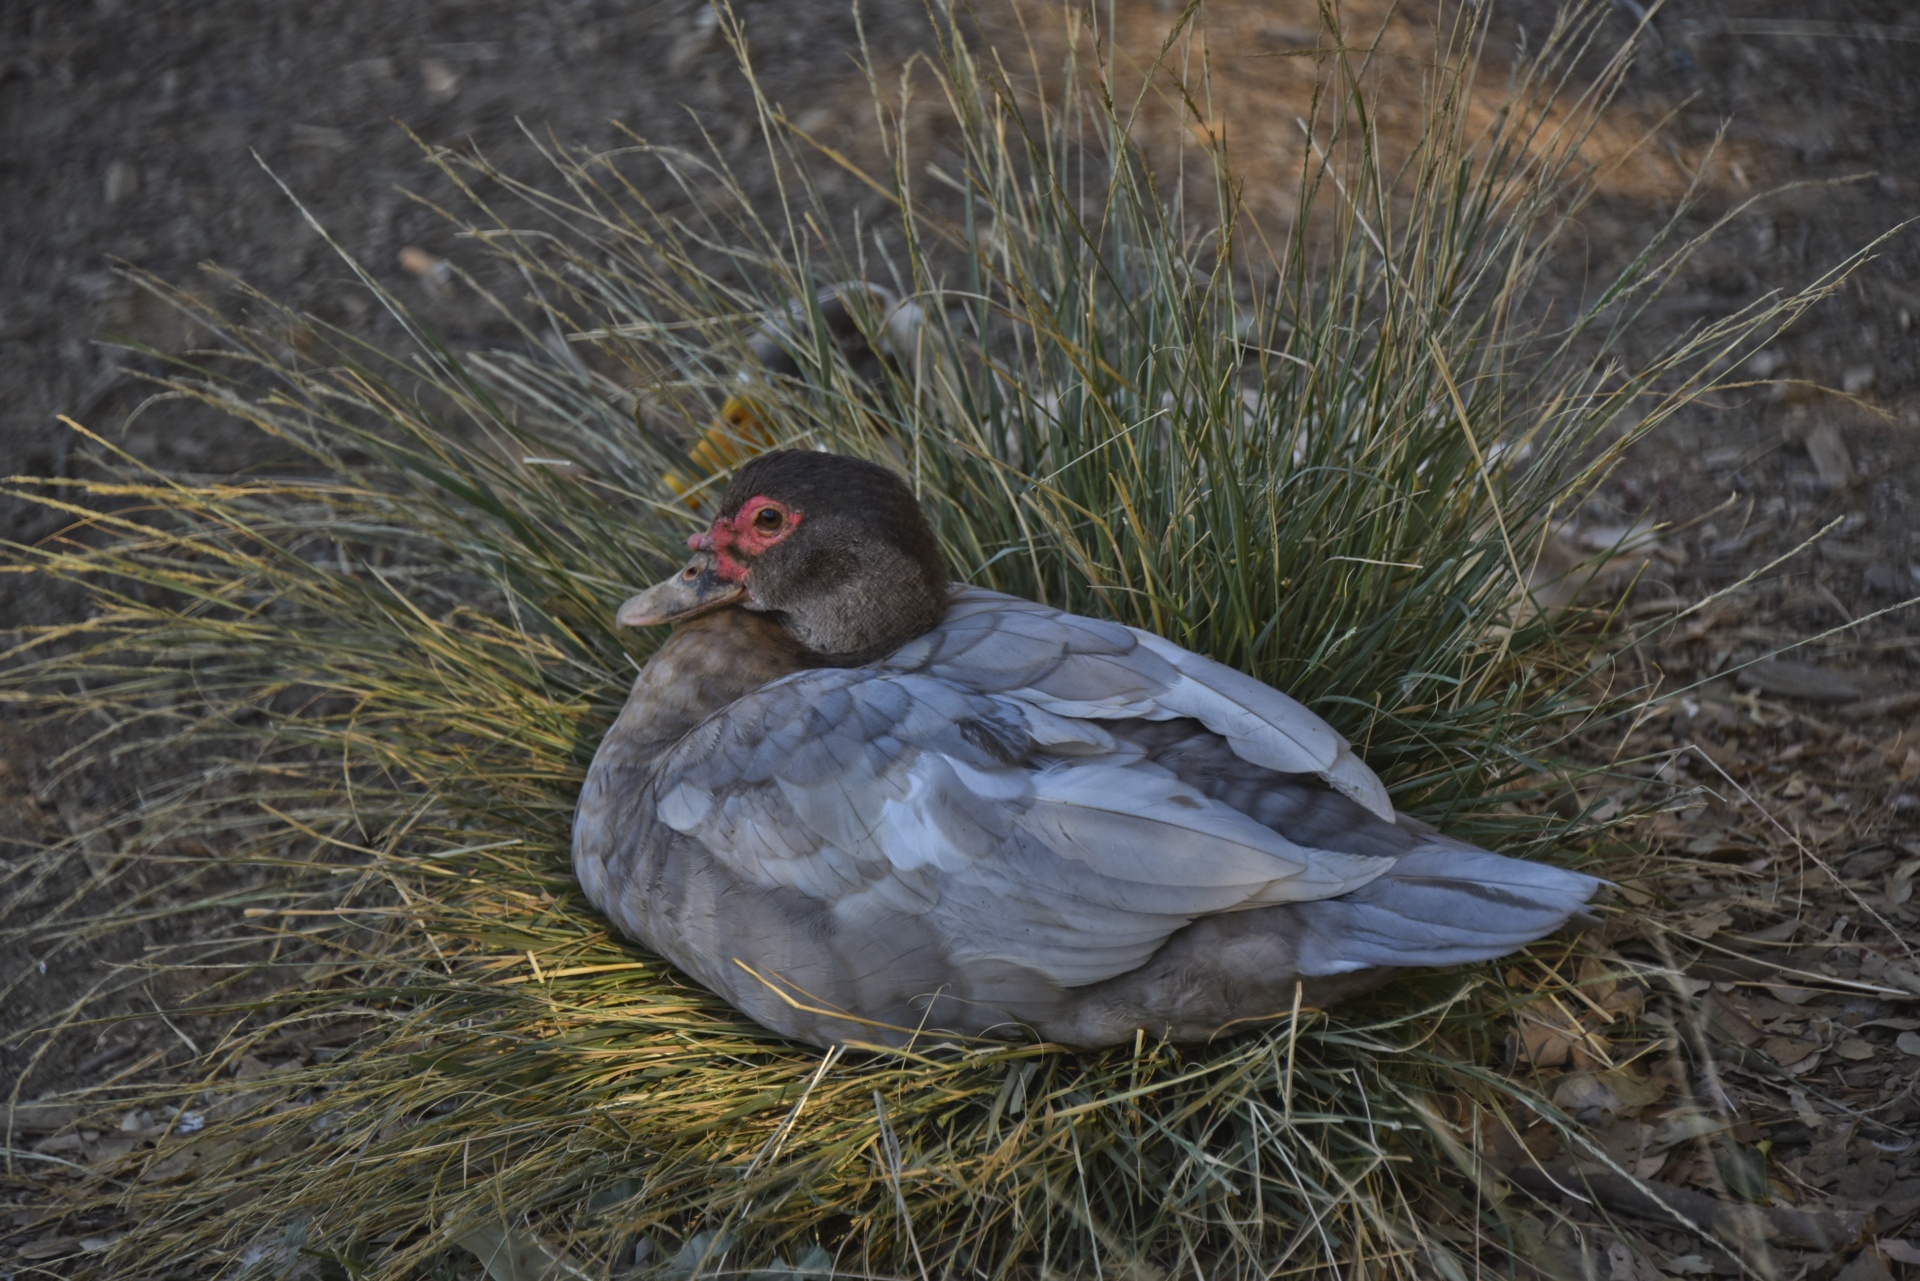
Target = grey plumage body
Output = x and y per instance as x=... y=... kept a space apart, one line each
x=1019 y=821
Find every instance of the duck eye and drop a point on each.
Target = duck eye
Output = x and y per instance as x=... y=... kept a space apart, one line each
x=768 y=520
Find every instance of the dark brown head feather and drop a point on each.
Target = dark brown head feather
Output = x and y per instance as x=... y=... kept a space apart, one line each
x=862 y=573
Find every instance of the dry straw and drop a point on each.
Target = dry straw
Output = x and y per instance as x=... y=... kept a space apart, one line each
x=374 y=678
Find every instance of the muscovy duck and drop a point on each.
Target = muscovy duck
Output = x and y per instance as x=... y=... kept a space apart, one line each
x=866 y=805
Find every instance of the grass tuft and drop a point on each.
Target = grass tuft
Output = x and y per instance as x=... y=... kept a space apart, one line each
x=376 y=674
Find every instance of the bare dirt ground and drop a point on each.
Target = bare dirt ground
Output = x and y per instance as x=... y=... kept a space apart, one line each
x=127 y=131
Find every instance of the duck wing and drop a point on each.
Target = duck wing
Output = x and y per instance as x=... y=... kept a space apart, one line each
x=933 y=828
x=1079 y=667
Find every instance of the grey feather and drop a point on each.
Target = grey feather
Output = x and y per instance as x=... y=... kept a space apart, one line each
x=1082 y=667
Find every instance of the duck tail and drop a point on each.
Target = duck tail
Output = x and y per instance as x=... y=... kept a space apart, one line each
x=1441 y=904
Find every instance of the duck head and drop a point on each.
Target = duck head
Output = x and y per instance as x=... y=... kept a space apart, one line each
x=835 y=549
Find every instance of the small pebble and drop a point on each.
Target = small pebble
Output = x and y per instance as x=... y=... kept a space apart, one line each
x=123 y=182
x=441 y=81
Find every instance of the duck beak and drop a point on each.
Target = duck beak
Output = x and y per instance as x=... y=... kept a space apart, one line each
x=738 y=434
x=696 y=589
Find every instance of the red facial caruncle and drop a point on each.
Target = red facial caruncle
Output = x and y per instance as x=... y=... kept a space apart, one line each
x=759 y=524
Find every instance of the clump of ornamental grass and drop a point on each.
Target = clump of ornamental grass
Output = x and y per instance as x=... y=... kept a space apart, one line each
x=378 y=673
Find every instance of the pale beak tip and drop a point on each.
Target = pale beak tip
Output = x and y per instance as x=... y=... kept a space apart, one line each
x=635 y=614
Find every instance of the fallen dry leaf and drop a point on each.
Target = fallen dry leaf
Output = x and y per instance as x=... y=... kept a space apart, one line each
x=1868 y=1265
x=1546 y=1036
x=1854 y=1050
x=41 y=1117
x=1624 y=1265
x=1788 y=1050
x=1899 y=888
x=1881 y=969
x=1587 y=1096
x=1578 y=558
x=1784 y=678
x=1897 y=1025
x=1831 y=460
x=1707 y=922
